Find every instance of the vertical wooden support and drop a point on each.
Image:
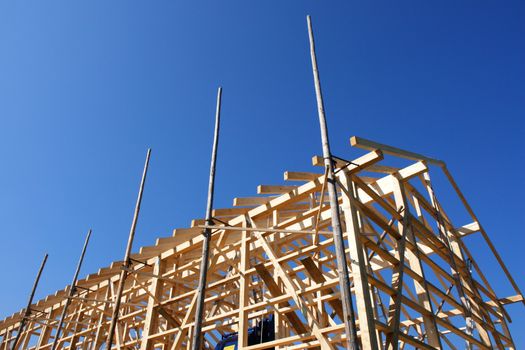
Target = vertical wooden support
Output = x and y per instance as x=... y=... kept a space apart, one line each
x=280 y=329
x=243 y=291
x=92 y=313
x=27 y=311
x=77 y=328
x=44 y=333
x=71 y=292
x=394 y=310
x=4 y=336
x=26 y=337
x=119 y=327
x=201 y=291
x=414 y=263
x=127 y=261
x=152 y=316
x=342 y=266
x=365 y=308
x=99 y=335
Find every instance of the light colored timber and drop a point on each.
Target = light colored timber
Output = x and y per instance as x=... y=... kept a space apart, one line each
x=274 y=189
x=371 y=145
x=251 y=201
x=300 y=176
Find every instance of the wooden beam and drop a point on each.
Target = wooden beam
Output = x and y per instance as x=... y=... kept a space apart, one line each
x=290 y=288
x=243 y=290
x=358 y=263
x=414 y=262
x=371 y=145
x=394 y=309
x=151 y=320
x=251 y=201
x=274 y=189
x=467 y=230
x=300 y=176
x=275 y=291
x=318 y=277
x=482 y=230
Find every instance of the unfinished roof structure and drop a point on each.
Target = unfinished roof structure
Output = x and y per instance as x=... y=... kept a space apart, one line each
x=360 y=255
x=414 y=283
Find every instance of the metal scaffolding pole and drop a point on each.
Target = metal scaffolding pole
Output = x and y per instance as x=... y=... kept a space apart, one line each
x=207 y=232
x=72 y=291
x=127 y=262
x=342 y=266
x=27 y=311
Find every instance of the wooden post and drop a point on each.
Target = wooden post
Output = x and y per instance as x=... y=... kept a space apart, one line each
x=413 y=258
x=127 y=261
x=243 y=290
x=394 y=307
x=45 y=333
x=27 y=311
x=201 y=291
x=72 y=291
x=342 y=266
x=155 y=293
x=101 y=318
x=365 y=307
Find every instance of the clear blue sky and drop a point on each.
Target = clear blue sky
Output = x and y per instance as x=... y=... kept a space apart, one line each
x=86 y=87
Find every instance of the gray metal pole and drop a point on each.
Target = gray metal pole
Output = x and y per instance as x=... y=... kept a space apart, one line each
x=342 y=266
x=207 y=232
x=72 y=290
x=127 y=261
x=27 y=311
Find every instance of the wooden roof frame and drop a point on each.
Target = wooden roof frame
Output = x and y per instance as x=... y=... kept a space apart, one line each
x=412 y=284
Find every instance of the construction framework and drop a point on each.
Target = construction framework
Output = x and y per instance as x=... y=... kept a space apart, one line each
x=359 y=256
x=414 y=282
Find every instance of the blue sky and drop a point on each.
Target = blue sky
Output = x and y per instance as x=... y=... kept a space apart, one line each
x=86 y=87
